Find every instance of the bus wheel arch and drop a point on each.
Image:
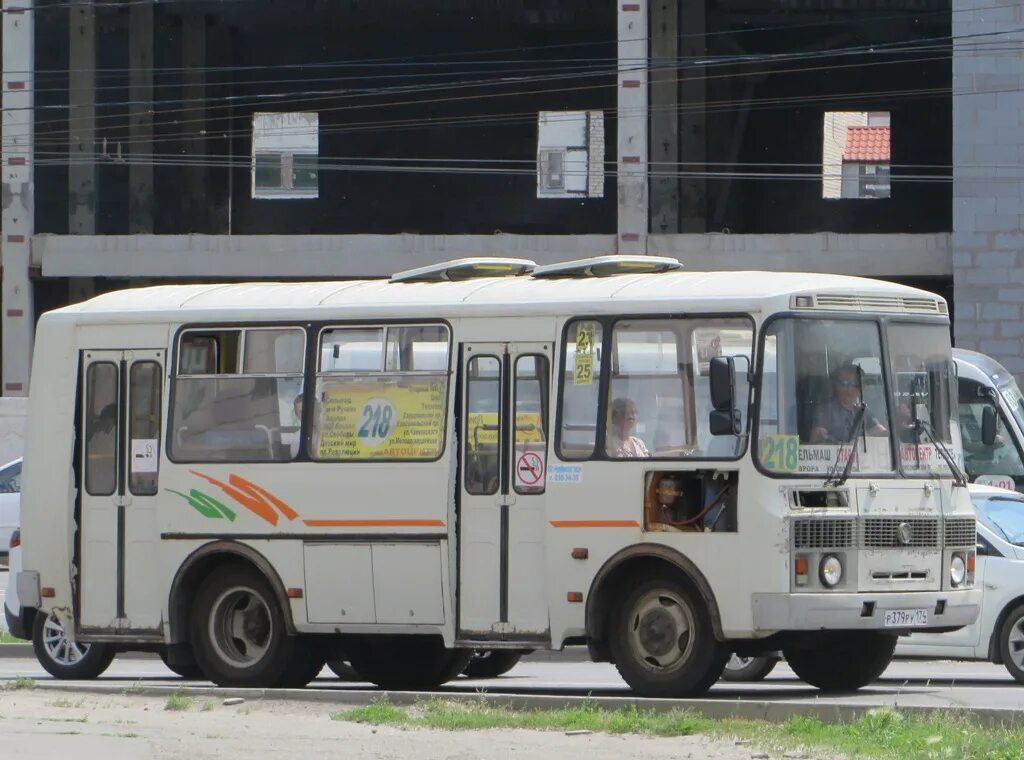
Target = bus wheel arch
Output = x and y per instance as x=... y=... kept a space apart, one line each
x=203 y=561
x=637 y=563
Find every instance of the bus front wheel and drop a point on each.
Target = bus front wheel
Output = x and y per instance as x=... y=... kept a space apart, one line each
x=238 y=631
x=843 y=660
x=662 y=641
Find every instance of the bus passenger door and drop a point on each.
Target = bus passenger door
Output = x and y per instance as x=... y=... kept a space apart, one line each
x=503 y=424
x=119 y=434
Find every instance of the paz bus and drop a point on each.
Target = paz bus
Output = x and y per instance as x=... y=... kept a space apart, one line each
x=486 y=454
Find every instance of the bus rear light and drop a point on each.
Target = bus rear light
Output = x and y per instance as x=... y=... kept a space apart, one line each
x=800 y=568
x=574 y=596
x=47 y=592
x=295 y=593
x=15 y=539
x=580 y=552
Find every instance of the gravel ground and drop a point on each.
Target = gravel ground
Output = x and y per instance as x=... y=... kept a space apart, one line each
x=45 y=725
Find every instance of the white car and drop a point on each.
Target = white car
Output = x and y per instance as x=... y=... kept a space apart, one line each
x=10 y=502
x=58 y=656
x=998 y=633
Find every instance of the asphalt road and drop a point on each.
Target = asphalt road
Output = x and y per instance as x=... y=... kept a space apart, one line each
x=932 y=684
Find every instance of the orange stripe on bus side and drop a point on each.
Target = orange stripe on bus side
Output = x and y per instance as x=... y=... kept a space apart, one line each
x=595 y=524
x=374 y=523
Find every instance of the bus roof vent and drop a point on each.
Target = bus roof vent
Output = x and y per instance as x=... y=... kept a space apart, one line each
x=606 y=266
x=467 y=269
x=853 y=302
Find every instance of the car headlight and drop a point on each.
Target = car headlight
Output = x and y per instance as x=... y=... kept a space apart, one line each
x=957 y=569
x=830 y=570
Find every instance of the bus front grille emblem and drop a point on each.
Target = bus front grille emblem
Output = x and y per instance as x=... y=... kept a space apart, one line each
x=904 y=534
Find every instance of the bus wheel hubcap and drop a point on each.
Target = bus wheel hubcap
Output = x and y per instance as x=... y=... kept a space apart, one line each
x=241 y=627
x=661 y=629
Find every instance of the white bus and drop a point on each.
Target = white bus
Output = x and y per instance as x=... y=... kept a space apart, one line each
x=489 y=455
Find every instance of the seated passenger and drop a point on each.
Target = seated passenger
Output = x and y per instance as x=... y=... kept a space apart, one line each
x=833 y=422
x=621 y=441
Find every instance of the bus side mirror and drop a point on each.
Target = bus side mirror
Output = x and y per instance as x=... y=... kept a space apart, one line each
x=988 y=426
x=724 y=418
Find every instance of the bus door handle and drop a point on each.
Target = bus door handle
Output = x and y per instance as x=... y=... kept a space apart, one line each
x=507 y=500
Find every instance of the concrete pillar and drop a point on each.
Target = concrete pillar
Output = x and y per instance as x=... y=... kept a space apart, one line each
x=633 y=211
x=988 y=191
x=665 y=73
x=82 y=148
x=140 y=118
x=693 y=147
x=17 y=320
x=193 y=126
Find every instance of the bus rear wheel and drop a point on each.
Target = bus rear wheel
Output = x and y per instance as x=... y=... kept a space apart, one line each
x=405 y=662
x=238 y=631
x=843 y=660
x=662 y=641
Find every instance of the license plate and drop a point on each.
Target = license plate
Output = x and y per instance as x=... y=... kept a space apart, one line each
x=905 y=618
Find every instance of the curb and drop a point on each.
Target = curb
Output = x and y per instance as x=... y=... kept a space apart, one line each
x=771 y=712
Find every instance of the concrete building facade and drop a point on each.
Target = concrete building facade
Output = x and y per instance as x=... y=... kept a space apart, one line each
x=132 y=152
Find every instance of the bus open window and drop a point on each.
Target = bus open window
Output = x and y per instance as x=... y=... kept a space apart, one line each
x=697 y=501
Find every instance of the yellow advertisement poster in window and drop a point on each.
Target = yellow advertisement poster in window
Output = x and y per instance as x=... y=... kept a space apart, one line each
x=482 y=428
x=584 y=360
x=381 y=419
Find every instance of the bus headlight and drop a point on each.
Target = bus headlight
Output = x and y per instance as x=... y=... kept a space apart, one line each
x=957 y=569
x=830 y=570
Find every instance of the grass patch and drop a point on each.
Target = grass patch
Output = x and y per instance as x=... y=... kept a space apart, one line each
x=7 y=638
x=178 y=701
x=882 y=733
x=209 y=705
x=20 y=683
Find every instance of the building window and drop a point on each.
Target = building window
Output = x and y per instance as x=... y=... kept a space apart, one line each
x=856 y=154
x=570 y=154
x=285 y=154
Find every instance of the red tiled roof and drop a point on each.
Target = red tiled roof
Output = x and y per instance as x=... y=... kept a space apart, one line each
x=870 y=144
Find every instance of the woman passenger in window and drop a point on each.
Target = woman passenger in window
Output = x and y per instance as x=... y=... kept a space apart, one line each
x=621 y=441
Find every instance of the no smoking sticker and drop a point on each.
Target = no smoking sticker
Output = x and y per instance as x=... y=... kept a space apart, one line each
x=529 y=469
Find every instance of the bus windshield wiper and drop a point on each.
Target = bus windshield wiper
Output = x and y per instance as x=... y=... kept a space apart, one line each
x=858 y=422
x=958 y=475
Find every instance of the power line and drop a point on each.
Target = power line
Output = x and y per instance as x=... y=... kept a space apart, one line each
x=709 y=107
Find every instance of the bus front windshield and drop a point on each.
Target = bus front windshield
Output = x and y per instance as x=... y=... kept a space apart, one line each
x=825 y=398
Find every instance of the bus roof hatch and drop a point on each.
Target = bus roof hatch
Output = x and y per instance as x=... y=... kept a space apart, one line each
x=467 y=269
x=606 y=266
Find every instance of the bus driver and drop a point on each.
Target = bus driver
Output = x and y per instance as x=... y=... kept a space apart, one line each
x=833 y=423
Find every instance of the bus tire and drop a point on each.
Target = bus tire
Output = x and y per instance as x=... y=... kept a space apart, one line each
x=238 y=630
x=405 y=662
x=342 y=670
x=62 y=659
x=306 y=662
x=183 y=664
x=491 y=663
x=662 y=641
x=842 y=660
x=746 y=669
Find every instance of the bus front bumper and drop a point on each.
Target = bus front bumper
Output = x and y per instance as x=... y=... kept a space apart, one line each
x=909 y=611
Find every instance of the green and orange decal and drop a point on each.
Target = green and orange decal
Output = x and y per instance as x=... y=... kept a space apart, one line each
x=270 y=508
